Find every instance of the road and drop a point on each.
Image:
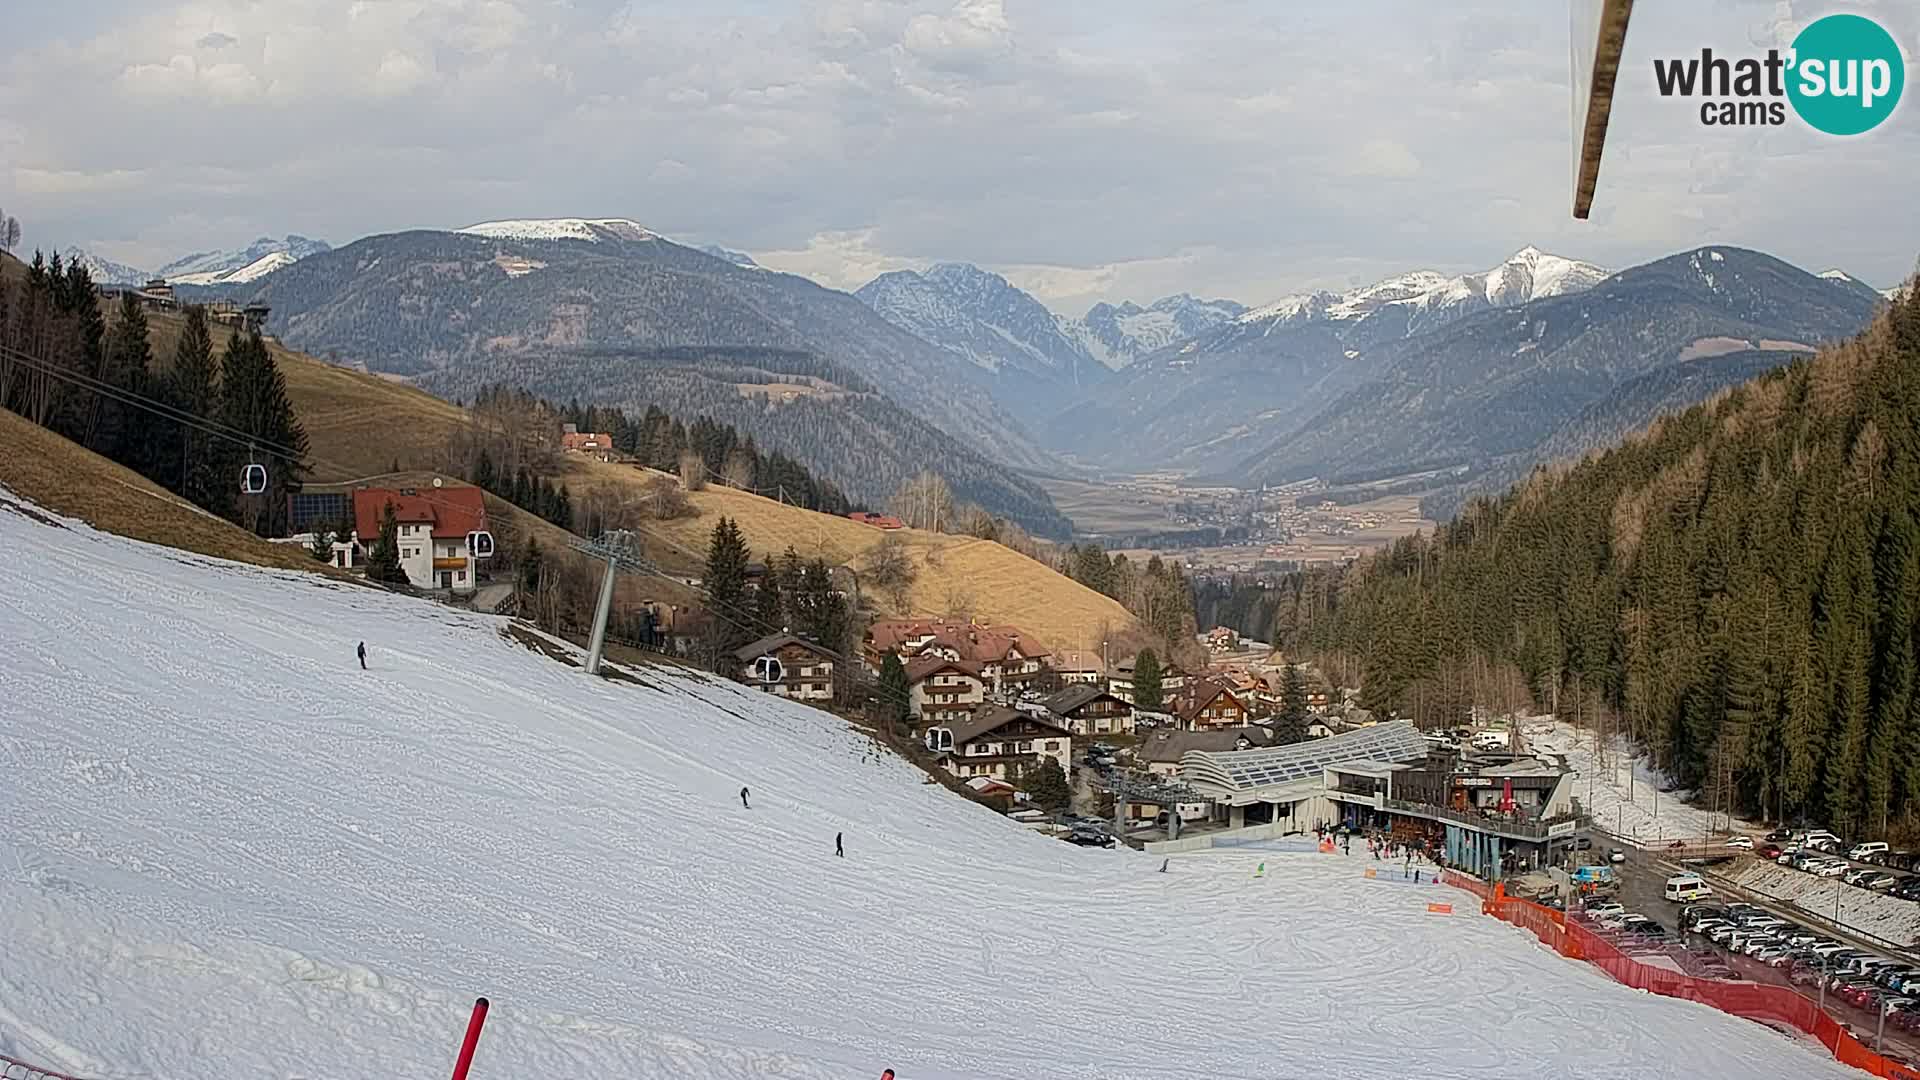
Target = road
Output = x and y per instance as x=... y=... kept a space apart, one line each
x=1643 y=881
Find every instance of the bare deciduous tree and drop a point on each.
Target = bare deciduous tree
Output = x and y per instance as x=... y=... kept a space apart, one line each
x=693 y=471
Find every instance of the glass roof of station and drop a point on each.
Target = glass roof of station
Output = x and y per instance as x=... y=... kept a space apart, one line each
x=1244 y=770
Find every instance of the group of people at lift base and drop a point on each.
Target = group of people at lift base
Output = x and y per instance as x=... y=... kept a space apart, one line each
x=1382 y=848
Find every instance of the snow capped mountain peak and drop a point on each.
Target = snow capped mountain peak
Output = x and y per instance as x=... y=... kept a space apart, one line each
x=1117 y=335
x=1837 y=275
x=978 y=315
x=592 y=230
x=106 y=271
x=1422 y=295
x=255 y=261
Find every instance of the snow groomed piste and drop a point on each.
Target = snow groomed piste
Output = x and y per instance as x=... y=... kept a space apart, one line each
x=229 y=852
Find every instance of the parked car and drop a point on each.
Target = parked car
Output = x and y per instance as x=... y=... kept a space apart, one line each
x=1855 y=875
x=1615 y=855
x=1740 y=842
x=1779 y=836
x=1767 y=851
x=1090 y=838
x=1867 y=850
x=1879 y=881
x=1830 y=869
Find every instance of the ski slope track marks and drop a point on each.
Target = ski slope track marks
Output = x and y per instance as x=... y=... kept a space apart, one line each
x=230 y=852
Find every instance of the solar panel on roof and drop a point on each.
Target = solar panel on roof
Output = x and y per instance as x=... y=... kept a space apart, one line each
x=1396 y=742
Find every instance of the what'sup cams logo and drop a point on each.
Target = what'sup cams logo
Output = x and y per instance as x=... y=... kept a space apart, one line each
x=1843 y=76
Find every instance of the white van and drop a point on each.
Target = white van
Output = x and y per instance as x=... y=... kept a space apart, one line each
x=1867 y=850
x=1687 y=887
x=1492 y=740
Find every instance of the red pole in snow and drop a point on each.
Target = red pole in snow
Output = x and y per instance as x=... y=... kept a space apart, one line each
x=473 y=1039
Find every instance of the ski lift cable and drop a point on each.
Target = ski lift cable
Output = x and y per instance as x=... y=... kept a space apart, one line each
x=254 y=444
x=159 y=408
x=744 y=620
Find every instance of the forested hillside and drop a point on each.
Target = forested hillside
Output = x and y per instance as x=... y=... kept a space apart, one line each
x=792 y=402
x=1738 y=586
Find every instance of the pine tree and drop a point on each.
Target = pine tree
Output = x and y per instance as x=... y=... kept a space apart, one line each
x=1290 y=726
x=321 y=546
x=254 y=400
x=895 y=694
x=1147 y=693
x=119 y=431
x=770 y=607
x=192 y=385
x=383 y=560
x=1046 y=784
x=726 y=582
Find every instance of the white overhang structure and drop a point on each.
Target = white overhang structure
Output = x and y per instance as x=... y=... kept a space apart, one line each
x=1286 y=774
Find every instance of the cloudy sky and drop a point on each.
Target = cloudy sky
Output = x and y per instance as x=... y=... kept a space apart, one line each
x=1089 y=149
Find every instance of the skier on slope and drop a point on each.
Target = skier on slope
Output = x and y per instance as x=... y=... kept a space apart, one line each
x=743 y=800
x=362 y=651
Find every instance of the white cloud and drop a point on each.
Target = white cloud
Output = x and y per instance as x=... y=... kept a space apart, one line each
x=1083 y=147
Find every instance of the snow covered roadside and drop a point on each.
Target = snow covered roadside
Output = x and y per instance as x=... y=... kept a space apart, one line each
x=1623 y=797
x=230 y=852
x=1887 y=917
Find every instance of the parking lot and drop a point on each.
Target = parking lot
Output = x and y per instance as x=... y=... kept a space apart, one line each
x=1795 y=955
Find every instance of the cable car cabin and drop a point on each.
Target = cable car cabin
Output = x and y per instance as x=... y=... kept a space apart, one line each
x=253 y=479
x=480 y=544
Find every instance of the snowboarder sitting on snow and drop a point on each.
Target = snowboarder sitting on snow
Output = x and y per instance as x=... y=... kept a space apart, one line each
x=362 y=651
x=743 y=799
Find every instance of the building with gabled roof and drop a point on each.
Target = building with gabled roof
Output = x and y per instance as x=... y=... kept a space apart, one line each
x=1008 y=658
x=433 y=531
x=1090 y=710
x=806 y=670
x=1001 y=743
x=1210 y=702
x=943 y=691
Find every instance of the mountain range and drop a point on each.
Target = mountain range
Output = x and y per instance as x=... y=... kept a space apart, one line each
x=590 y=307
x=236 y=266
x=1501 y=390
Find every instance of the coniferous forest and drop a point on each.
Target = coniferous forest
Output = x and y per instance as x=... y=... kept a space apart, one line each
x=1737 y=588
x=94 y=378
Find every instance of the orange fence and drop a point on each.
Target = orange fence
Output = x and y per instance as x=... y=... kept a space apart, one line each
x=1775 y=1005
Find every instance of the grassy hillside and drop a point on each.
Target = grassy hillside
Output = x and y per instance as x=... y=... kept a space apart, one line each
x=358 y=425
x=954 y=573
x=60 y=475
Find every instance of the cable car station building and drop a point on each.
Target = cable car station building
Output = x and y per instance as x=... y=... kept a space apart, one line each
x=1487 y=815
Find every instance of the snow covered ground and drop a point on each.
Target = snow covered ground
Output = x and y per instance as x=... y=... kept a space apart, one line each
x=1632 y=808
x=229 y=852
x=1887 y=917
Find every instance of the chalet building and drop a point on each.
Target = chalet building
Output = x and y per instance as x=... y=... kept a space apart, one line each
x=1210 y=703
x=1089 y=710
x=943 y=691
x=878 y=521
x=1006 y=658
x=1077 y=667
x=1120 y=680
x=1223 y=639
x=433 y=531
x=594 y=443
x=806 y=673
x=1001 y=744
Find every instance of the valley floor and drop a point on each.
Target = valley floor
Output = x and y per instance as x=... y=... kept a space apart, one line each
x=230 y=852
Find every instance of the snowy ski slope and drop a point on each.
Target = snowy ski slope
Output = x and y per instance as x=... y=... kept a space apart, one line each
x=227 y=852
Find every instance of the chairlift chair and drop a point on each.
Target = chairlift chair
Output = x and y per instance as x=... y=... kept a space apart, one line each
x=253 y=479
x=480 y=544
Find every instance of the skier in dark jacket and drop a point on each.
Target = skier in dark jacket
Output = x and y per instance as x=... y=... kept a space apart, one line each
x=839 y=848
x=362 y=651
x=743 y=799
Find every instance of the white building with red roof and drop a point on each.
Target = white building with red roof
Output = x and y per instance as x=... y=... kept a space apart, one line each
x=434 y=524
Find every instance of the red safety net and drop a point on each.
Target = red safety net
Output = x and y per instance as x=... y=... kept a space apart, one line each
x=20 y=1070
x=1777 y=1006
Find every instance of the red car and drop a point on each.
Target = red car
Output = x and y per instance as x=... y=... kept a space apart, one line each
x=1768 y=851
